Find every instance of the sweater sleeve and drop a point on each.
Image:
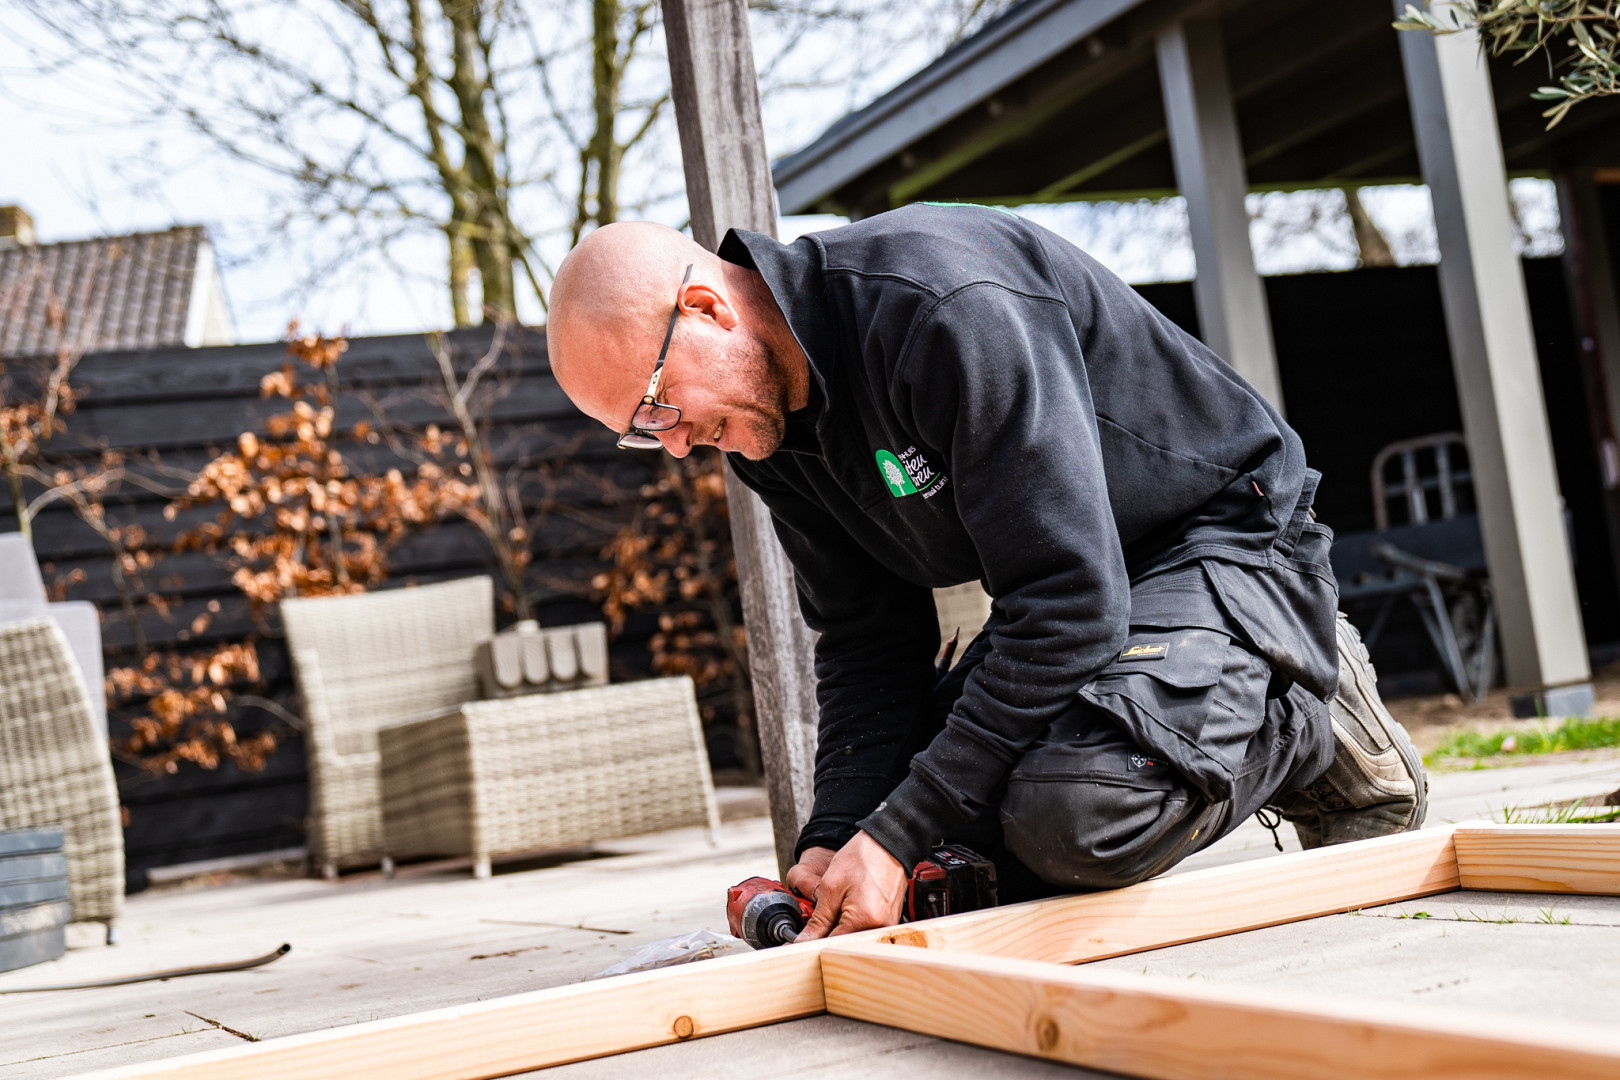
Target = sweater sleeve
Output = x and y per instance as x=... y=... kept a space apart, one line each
x=994 y=380
x=878 y=636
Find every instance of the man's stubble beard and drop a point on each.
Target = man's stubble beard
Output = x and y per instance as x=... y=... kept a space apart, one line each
x=762 y=407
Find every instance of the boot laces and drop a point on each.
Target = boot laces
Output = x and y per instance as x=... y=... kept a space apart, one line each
x=1272 y=821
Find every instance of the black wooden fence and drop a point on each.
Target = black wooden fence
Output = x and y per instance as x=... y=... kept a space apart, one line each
x=170 y=411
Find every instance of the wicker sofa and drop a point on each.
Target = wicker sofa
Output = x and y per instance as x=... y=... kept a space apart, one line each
x=546 y=771
x=54 y=766
x=366 y=661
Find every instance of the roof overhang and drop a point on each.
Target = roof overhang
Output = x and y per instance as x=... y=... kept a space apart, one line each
x=1058 y=100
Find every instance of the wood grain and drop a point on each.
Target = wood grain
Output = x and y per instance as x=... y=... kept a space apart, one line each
x=1171 y=1029
x=1540 y=858
x=527 y=1031
x=1201 y=903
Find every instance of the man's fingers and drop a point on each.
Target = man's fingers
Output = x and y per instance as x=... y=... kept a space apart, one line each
x=803 y=881
x=822 y=920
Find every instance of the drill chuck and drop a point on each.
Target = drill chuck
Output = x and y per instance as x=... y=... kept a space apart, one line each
x=765 y=914
x=781 y=928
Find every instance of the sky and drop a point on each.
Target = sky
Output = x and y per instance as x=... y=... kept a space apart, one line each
x=84 y=169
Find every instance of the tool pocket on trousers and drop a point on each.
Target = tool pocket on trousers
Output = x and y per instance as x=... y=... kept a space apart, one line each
x=1192 y=696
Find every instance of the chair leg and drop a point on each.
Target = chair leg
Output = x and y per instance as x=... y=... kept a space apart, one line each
x=112 y=932
x=329 y=871
x=481 y=867
x=387 y=867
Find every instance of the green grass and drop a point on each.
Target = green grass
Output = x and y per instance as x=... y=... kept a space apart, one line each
x=1575 y=733
x=1575 y=813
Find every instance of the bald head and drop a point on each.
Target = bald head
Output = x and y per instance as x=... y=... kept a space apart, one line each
x=733 y=367
x=614 y=292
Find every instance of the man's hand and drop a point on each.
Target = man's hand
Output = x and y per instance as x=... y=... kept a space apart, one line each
x=862 y=887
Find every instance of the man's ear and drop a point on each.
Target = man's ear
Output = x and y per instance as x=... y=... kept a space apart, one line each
x=700 y=299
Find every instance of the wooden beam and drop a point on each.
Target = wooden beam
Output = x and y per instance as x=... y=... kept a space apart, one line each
x=1149 y=1026
x=1540 y=858
x=1201 y=903
x=527 y=1031
x=728 y=185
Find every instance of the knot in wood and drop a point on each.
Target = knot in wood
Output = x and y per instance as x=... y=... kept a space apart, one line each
x=1047 y=1033
x=916 y=938
x=683 y=1027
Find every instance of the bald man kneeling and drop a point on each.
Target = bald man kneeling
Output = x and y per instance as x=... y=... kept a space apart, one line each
x=944 y=394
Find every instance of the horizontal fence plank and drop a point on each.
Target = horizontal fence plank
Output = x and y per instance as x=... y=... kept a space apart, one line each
x=161 y=426
x=235 y=370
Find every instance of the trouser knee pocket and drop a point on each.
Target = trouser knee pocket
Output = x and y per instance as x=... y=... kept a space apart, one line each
x=1143 y=766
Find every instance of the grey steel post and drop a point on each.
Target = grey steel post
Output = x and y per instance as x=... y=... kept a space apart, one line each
x=1493 y=352
x=1208 y=156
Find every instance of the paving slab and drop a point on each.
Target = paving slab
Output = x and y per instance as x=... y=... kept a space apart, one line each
x=821 y=1047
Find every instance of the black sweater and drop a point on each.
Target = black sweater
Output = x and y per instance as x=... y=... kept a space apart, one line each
x=988 y=403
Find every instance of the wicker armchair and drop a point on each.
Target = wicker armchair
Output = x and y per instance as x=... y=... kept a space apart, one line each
x=547 y=771
x=54 y=767
x=366 y=661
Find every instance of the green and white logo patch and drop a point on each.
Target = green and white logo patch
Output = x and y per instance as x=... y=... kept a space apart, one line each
x=894 y=476
x=908 y=472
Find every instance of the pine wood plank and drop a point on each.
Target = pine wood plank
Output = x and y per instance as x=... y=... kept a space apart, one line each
x=1171 y=1029
x=1201 y=903
x=527 y=1031
x=1540 y=858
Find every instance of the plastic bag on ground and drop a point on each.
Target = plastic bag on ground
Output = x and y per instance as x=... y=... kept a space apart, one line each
x=681 y=949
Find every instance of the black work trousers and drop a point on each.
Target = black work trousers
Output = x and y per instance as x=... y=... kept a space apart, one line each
x=1200 y=722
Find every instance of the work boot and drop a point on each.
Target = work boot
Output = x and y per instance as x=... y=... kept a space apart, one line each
x=1376 y=783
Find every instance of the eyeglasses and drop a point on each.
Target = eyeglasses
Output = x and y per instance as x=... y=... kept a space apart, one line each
x=651 y=414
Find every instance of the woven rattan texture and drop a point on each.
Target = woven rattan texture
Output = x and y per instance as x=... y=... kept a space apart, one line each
x=370 y=660
x=547 y=770
x=54 y=765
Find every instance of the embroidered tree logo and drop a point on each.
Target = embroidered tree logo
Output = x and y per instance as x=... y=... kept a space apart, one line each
x=896 y=478
x=900 y=484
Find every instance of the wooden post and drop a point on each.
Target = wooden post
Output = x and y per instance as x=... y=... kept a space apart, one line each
x=1493 y=351
x=728 y=185
x=1208 y=156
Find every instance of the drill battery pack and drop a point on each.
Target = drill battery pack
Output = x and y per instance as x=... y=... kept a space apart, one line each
x=951 y=880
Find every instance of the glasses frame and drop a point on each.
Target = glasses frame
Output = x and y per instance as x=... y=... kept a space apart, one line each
x=641 y=436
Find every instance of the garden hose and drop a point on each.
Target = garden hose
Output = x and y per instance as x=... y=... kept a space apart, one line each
x=172 y=973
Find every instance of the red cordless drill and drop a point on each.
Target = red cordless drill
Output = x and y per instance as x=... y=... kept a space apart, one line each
x=952 y=879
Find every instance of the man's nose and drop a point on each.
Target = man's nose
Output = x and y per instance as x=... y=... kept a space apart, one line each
x=677 y=440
